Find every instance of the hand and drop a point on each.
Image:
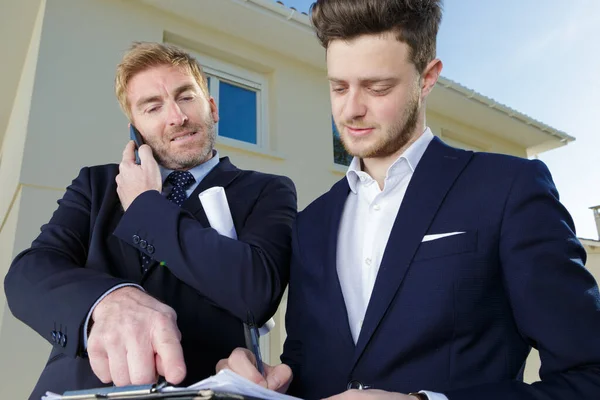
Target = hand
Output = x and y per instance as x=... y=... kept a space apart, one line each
x=134 y=179
x=134 y=338
x=242 y=362
x=354 y=394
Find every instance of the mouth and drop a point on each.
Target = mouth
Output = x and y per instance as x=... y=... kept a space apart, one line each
x=183 y=137
x=358 y=131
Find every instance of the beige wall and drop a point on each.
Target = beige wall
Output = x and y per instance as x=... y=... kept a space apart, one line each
x=592 y=247
x=65 y=116
x=17 y=20
x=460 y=134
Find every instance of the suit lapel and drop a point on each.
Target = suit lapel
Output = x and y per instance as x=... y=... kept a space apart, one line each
x=434 y=176
x=339 y=195
x=221 y=175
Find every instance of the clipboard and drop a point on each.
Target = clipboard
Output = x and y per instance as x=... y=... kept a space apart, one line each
x=149 y=392
x=225 y=385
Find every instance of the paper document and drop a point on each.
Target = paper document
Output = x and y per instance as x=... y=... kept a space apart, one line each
x=226 y=381
x=230 y=382
x=216 y=208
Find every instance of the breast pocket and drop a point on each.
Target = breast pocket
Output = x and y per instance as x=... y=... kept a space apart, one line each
x=446 y=246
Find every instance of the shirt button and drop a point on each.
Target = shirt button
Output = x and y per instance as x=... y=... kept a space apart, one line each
x=368 y=261
x=376 y=207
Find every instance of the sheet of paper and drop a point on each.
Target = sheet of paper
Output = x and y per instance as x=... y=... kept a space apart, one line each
x=228 y=381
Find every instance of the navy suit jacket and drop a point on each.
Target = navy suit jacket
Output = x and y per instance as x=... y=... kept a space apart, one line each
x=456 y=315
x=211 y=281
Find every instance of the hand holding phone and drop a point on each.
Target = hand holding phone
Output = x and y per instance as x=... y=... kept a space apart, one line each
x=136 y=136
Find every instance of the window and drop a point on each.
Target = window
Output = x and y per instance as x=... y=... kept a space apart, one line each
x=340 y=155
x=240 y=96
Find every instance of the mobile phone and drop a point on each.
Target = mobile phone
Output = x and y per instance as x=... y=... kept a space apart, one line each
x=136 y=136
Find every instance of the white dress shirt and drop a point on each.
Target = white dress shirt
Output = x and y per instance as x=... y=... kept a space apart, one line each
x=367 y=219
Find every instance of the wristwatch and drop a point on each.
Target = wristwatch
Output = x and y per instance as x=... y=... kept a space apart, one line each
x=420 y=396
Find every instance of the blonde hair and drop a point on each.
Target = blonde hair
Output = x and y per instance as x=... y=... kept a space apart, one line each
x=144 y=55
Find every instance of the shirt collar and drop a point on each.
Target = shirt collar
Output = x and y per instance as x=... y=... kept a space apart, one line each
x=199 y=171
x=412 y=155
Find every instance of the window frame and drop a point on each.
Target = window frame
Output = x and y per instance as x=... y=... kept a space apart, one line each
x=219 y=70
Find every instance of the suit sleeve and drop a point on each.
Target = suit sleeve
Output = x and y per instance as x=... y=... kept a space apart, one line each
x=292 y=348
x=555 y=300
x=248 y=274
x=47 y=286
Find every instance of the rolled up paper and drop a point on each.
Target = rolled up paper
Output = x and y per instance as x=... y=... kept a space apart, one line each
x=216 y=207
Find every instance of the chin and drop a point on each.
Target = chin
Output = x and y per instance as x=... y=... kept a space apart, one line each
x=359 y=150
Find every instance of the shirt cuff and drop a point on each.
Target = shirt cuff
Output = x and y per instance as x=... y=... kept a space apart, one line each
x=109 y=291
x=433 y=395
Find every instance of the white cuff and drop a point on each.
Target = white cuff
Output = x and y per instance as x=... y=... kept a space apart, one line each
x=109 y=291
x=433 y=395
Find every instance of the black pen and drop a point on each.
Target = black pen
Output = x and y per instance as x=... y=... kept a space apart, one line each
x=251 y=335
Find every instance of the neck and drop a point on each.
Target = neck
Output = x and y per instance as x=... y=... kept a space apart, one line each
x=377 y=167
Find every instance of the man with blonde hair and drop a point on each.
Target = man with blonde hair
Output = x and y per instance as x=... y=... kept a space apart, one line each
x=128 y=280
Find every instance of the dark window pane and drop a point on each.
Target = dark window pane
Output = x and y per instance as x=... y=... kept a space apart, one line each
x=237 y=111
x=340 y=156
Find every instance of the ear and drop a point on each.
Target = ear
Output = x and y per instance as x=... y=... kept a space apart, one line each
x=430 y=76
x=213 y=109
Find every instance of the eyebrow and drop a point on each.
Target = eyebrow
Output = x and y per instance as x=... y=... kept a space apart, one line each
x=370 y=80
x=184 y=88
x=152 y=99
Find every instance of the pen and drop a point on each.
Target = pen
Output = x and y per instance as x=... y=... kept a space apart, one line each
x=251 y=335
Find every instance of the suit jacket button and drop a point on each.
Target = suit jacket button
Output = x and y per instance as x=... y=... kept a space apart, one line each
x=150 y=249
x=54 y=336
x=63 y=342
x=136 y=239
x=355 y=385
x=143 y=244
x=59 y=337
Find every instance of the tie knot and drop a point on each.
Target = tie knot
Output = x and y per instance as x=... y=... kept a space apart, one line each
x=180 y=179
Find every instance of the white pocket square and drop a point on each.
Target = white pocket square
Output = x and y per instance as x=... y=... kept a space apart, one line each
x=429 y=238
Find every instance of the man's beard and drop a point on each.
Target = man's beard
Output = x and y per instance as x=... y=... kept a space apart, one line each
x=186 y=160
x=396 y=137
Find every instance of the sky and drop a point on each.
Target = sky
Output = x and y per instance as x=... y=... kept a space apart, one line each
x=541 y=58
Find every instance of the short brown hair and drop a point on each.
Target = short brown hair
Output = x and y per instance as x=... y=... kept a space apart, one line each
x=415 y=22
x=144 y=55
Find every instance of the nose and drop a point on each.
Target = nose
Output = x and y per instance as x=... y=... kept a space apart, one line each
x=176 y=115
x=354 y=107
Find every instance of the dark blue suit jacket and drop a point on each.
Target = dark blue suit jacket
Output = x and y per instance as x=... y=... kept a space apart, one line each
x=456 y=315
x=210 y=280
